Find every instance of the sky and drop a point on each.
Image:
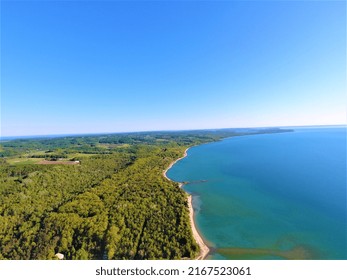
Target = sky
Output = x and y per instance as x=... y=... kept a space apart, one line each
x=70 y=67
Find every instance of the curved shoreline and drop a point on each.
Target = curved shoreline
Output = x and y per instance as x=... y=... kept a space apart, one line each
x=204 y=249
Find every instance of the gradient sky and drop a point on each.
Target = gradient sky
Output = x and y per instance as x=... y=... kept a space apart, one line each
x=110 y=66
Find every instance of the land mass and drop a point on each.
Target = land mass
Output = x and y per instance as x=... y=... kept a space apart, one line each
x=99 y=196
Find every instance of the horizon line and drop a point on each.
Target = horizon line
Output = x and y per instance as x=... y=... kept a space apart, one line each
x=164 y=130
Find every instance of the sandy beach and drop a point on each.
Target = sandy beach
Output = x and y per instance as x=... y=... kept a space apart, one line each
x=204 y=250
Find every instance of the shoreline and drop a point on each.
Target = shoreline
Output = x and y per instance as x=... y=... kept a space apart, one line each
x=204 y=249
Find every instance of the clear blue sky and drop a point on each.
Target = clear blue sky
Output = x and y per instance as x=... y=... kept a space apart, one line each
x=109 y=66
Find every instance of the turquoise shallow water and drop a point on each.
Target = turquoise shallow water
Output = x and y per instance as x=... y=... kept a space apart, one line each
x=270 y=196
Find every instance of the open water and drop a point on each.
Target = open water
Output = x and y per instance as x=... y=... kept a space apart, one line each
x=270 y=196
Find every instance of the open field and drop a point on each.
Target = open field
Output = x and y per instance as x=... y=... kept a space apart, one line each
x=17 y=160
x=66 y=162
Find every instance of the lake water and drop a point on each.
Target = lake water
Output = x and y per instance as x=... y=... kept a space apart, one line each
x=270 y=196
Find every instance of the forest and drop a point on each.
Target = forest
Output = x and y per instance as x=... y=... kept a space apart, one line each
x=103 y=196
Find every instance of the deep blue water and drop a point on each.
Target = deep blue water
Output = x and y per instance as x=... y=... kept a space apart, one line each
x=270 y=196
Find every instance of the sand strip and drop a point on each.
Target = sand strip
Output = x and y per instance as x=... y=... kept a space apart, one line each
x=204 y=250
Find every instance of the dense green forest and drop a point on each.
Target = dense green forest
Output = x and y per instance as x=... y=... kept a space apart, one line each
x=104 y=196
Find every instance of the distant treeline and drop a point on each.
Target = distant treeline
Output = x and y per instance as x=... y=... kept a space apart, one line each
x=97 y=144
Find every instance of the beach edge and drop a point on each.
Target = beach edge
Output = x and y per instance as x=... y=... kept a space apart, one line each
x=204 y=249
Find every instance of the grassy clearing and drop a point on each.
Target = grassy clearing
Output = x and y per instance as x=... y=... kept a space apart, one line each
x=27 y=159
x=65 y=162
x=112 y=146
x=80 y=155
x=17 y=161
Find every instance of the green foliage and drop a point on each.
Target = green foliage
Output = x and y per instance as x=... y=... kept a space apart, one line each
x=116 y=206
